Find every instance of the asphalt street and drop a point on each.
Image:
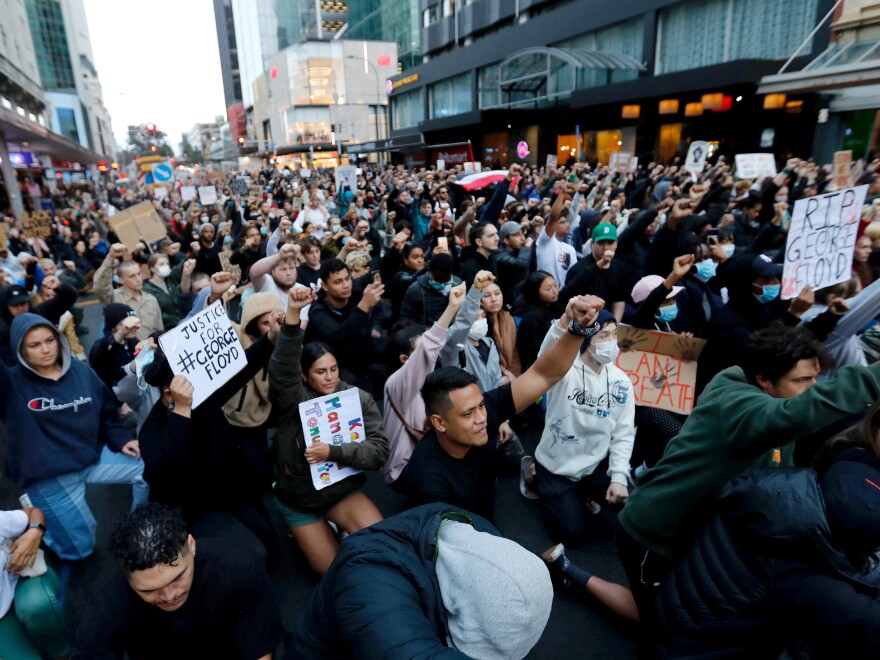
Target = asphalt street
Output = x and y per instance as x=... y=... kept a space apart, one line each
x=577 y=628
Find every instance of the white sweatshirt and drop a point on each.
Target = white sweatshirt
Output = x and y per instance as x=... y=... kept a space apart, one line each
x=589 y=416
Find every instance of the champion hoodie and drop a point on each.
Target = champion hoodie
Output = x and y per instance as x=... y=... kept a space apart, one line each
x=55 y=427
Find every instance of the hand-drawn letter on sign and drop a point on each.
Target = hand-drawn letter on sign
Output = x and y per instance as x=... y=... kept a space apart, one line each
x=662 y=367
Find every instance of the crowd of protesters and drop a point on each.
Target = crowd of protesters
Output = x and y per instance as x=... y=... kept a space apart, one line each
x=465 y=319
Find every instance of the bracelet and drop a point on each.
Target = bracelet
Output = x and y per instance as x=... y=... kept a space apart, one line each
x=575 y=329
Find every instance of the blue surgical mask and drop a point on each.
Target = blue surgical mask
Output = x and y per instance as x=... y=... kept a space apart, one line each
x=263 y=230
x=770 y=292
x=669 y=312
x=706 y=270
x=728 y=249
x=141 y=362
x=442 y=287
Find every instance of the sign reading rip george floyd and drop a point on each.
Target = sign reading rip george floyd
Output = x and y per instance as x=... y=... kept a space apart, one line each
x=333 y=419
x=206 y=350
x=821 y=240
x=662 y=367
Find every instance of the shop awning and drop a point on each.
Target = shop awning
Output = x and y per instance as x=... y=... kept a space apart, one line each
x=854 y=64
x=40 y=141
x=391 y=144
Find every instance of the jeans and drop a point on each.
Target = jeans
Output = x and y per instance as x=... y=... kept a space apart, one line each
x=71 y=526
x=562 y=500
x=34 y=627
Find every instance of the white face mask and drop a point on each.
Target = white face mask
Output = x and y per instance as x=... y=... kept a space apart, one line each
x=479 y=329
x=604 y=353
x=163 y=271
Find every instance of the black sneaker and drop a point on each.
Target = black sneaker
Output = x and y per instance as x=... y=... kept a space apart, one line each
x=557 y=563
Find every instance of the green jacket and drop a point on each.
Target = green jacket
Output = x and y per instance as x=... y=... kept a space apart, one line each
x=293 y=477
x=733 y=427
x=167 y=301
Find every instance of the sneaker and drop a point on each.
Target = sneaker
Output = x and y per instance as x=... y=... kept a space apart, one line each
x=526 y=469
x=557 y=562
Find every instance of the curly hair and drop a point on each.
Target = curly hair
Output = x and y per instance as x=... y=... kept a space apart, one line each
x=775 y=350
x=151 y=535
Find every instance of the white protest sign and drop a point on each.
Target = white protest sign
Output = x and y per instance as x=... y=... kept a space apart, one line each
x=160 y=192
x=345 y=175
x=753 y=166
x=305 y=173
x=696 y=158
x=821 y=240
x=187 y=193
x=333 y=419
x=207 y=195
x=619 y=161
x=206 y=350
x=468 y=167
x=478 y=166
x=441 y=164
x=633 y=163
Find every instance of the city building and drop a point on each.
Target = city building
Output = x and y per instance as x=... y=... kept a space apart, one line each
x=317 y=97
x=321 y=20
x=843 y=81
x=203 y=136
x=388 y=20
x=64 y=56
x=521 y=80
x=31 y=148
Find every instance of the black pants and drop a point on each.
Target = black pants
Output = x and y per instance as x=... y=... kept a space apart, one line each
x=645 y=571
x=562 y=500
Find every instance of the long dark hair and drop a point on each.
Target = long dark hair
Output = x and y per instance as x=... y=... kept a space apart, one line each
x=312 y=352
x=402 y=341
x=532 y=288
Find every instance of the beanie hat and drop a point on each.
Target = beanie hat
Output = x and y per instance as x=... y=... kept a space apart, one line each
x=851 y=491
x=258 y=304
x=496 y=593
x=605 y=317
x=441 y=263
x=114 y=313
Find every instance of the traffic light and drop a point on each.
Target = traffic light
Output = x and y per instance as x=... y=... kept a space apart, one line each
x=242 y=140
x=153 y=148
x=151 y=128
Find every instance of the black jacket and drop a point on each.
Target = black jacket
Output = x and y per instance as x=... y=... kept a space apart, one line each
x=381 y=597
x=766 y=571
x=422 y=303
x=472 y=263
x=52 y=310
x=346 y=330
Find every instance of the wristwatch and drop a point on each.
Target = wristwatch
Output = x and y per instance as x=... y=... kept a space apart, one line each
x=37 y=525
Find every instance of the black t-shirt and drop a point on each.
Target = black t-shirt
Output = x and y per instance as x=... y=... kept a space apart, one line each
x=308 y=276
x=432 y=475
x=230 y=613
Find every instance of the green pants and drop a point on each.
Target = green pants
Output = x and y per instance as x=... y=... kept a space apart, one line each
x=34 y=627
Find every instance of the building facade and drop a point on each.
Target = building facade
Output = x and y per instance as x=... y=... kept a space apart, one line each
x=225 y=23
x=319 y=96
x=388 y=20
x=644 y=77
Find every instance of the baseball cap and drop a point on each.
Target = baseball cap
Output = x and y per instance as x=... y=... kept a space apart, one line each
x=648 y=283
x=764 y=266
x=16 y=295
x=604 y=231
x=508 y=228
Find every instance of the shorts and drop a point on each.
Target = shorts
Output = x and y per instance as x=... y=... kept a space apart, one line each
x=295 y=518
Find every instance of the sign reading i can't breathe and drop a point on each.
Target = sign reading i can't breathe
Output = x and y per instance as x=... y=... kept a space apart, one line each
x=821 y=240
x=334 y=419
x=206 y=350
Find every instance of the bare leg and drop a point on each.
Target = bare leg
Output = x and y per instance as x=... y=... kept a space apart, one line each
x=615 y=597
x=354 y=513
x=318 y=545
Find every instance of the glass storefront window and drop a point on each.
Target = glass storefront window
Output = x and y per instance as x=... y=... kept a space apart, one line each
x=308 y=125
x=452 y=96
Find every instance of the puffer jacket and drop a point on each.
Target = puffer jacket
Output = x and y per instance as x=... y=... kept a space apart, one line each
x=381 y=597
x=766 y=571
x=293 y=478
x=422 y=303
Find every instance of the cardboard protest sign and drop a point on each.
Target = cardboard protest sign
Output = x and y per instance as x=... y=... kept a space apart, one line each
x=345 y=176
x=842 y=165
x=240 y=186
x=140 y=222
x=187 y=193
x=334 y=420
x=696 y=158
x=206 y=350
x=227 y=266
x=37 y=224
x=3 y=235
x=207 y=195
x=255 y=191
x=821 y=240
x=754 y=166
x=662 y=367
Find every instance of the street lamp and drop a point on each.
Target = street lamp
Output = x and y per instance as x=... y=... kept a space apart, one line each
x=378 y=92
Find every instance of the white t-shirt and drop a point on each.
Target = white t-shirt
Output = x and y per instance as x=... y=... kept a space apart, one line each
x=555 y=257
x=316 y=217
x=269 y=286
x=12 y=525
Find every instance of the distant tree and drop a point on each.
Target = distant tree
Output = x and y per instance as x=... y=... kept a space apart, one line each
x=192 y=154
x=143 y=141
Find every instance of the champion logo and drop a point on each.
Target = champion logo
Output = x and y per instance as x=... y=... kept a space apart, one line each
x=42 y=404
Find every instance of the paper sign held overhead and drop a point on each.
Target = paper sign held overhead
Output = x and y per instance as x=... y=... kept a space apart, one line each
x=187 y=193
x=206 y=350
x=441 y=164
x=305 y=173
x=137 y=223
x=662 y=367
x=696 y=158
x=240 y=186
x=619 y=161
x=821 y=240
x=552 y=162
x=754 y=166
x=334 y=419
x=345 y=176
x=207 y=195
x=842 y=166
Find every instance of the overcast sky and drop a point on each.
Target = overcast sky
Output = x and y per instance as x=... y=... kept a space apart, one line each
x=158 y=61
